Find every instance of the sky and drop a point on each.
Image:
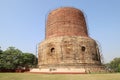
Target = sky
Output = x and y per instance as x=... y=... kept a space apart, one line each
x=22 y=23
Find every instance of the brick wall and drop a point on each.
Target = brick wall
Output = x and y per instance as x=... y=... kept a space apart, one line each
x=66 y=22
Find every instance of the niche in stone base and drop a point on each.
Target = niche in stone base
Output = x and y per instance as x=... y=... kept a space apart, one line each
x=51 y=55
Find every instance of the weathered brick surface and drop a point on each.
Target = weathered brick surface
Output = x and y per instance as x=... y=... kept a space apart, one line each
x=68 y=50
x=67 y=43
x=66 y=22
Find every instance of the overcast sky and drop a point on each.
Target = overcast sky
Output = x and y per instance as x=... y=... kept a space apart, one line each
x=22 y=23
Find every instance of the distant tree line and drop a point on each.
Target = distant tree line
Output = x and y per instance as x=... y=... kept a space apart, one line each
x=14 y=59
x=114 y=65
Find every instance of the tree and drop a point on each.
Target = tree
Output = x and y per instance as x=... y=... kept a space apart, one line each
x=1 y=51
x=10 y=58
x=1 y=61
x=114 y=65
x=29 y=60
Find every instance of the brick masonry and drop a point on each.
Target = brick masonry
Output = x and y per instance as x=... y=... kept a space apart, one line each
x=67 y=43
x=66 y=22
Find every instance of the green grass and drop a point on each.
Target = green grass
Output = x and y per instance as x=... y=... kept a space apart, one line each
x=31 y=76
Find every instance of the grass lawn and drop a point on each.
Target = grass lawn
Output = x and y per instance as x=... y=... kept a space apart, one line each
x=31 y=76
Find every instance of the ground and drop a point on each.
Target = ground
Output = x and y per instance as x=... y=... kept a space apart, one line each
x=31 y=76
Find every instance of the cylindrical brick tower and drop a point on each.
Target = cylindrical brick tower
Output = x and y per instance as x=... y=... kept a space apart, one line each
x=66 y=22
x=67 y=44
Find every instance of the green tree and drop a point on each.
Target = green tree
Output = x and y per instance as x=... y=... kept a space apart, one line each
x=11 y=58
x=0 y=51
x=114 y=65
x=29 y=60
x=1 y=59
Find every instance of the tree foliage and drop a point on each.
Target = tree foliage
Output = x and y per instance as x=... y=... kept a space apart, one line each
x=114 y=65
x=13 y=58
x=0 y=51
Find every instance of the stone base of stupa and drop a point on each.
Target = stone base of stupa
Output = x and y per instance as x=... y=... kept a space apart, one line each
x=69 y=70
x=58 y=71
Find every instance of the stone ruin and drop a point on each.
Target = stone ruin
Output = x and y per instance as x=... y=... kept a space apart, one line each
x=67 y=46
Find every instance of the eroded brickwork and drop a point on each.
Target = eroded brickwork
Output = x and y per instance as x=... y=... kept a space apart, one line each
x=69 y=50
x=67 y=43
x=66 y=22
